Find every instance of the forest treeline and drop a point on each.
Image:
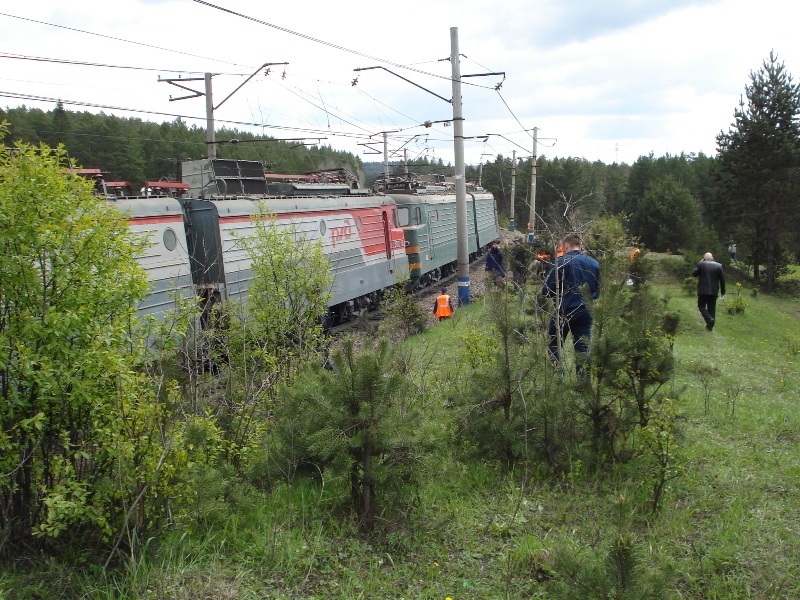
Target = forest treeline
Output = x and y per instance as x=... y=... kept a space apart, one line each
x=133 y=150
x=747 y=194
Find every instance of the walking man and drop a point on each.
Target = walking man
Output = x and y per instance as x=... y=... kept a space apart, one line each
x=732 y=253
x=574 y=277
x=710 y=281
x=443 y=306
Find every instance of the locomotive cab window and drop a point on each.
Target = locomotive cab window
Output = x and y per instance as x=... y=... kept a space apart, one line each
x=403 y=217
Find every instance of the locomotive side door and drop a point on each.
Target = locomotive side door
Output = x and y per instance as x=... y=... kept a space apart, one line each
x=386 y=238
x=431 y=243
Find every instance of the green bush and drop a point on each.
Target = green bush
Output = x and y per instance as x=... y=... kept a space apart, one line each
x=789 y=287
x=738 y=304
x=689 y=286
x=403 y=312
x=347 y=421
x=81 y=427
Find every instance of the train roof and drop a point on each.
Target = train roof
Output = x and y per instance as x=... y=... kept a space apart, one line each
x=248 y=205
x=87 y=173
x=232 y=177
x=176 y=186
x=435 y=198
x=154 y=206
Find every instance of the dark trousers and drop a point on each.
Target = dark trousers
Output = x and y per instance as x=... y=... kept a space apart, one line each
x=707 y=303
x=579 y=324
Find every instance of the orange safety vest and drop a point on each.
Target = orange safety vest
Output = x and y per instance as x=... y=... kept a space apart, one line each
x=443 y=306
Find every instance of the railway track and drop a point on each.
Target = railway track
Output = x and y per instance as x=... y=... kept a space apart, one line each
x=424 y=297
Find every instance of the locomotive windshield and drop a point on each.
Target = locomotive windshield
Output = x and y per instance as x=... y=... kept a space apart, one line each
x=403 y=216
x=408 y=216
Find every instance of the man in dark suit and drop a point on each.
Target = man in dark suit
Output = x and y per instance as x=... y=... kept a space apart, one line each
x=710 y=281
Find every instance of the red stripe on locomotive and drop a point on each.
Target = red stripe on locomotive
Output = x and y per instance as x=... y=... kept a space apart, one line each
x=371 y=236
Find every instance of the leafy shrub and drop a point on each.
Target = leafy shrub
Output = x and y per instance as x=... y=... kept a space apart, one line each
x=80 y=449
x=477 y=346
x=789 y=287
x=640 y=269
x=524 y=263
x=689 y=286
x=670 y=269
x=738 y=305
x=403 y=312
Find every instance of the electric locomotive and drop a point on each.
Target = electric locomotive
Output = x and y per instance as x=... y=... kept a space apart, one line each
x=157 y=216
x=427 y=216
x=357 y=230
x=372 y=240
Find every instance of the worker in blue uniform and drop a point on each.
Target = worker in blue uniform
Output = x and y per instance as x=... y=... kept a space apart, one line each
x=572 y=281
x=494 y=263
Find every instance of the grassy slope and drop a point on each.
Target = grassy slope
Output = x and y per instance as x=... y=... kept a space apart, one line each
x=736 y=509
x=730 y=527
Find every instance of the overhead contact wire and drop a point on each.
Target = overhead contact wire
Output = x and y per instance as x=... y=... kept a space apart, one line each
x=111 y=37
x=173 y=115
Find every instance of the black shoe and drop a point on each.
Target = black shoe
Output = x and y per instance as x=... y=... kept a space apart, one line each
x=710 y=325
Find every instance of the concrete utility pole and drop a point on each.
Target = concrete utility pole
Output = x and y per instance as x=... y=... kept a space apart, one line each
x=462 y=246
x=513 y=189
x=385 y=161
x=532 y=224
x=210 y=108
x=210 y=132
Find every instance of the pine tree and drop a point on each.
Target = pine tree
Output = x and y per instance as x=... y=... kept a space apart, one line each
x=759 y=158
x=348 y=420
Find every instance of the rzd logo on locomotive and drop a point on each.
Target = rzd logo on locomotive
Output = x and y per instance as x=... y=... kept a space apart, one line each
x=345 y=232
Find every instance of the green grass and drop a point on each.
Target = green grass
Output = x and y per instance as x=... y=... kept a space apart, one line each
x=736 y=502
x=729 y=526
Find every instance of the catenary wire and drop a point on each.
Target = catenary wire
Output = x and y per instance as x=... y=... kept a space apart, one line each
x=80 y=63
x=111 y=37
x=330 y=44
x=84 y=63
x=174 y=115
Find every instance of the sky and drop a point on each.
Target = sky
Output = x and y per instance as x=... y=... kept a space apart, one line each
x=608 y=81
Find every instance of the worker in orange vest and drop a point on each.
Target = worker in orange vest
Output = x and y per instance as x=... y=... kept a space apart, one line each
x=443 y=307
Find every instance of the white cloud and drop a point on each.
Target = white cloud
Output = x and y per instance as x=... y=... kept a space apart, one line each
x=608 y=81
